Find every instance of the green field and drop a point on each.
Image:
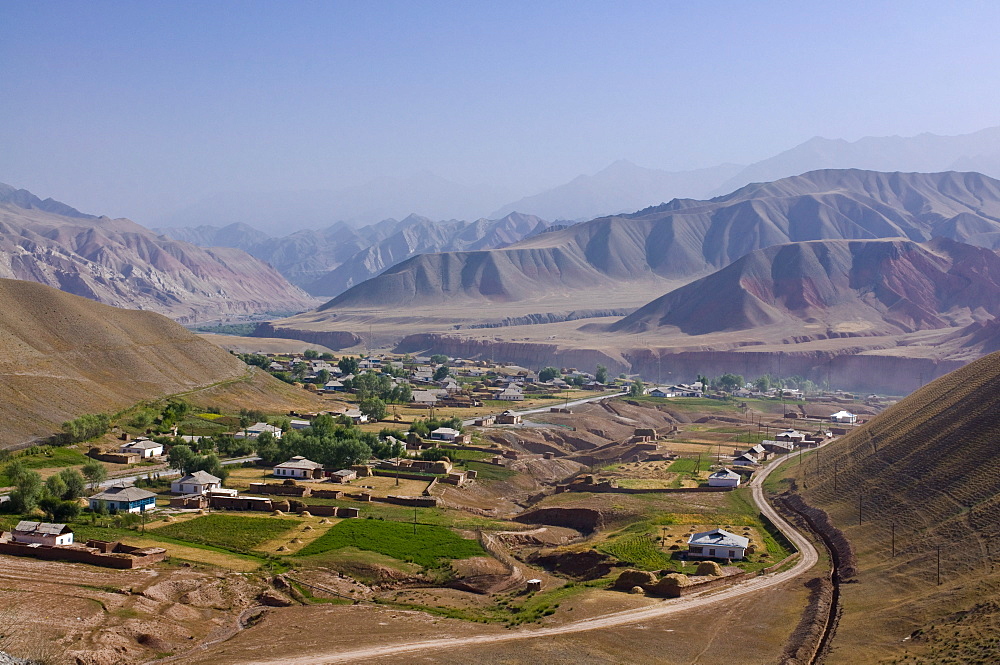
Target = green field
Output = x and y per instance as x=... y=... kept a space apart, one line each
x=427 y=547
x=231 y=532
x=489 y=471
x=690 y=464
x=639 y=550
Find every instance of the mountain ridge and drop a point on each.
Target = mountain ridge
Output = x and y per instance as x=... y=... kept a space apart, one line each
x=121 y=263
x=685 y=238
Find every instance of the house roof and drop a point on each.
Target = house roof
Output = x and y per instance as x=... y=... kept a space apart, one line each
x=345 y=472
x=446 y=430
x=123 y=493
x=144 y=444
x=718 y=538
x=41 y=528
x=200 y=477
x=843 y=414
x=726 y=474
x=299 y=462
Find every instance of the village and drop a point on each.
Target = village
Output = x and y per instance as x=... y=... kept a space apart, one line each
x=479 y=489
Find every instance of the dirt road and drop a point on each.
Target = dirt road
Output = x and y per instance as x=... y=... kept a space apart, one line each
x=807 y=559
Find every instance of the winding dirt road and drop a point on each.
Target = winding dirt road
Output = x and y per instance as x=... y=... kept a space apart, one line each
x=807 y=559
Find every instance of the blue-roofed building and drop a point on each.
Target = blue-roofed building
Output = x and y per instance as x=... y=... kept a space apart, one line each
x=124 y=500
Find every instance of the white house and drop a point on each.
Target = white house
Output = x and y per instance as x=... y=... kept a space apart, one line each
x=299 y=424
x=256 y=430
x=42 y=533
x=724 y=478
x=844 y=417
x=717 y=544
x=199 y=482
x=299 y=467
x=144 y=448
x=445 y=434
x=509 y=394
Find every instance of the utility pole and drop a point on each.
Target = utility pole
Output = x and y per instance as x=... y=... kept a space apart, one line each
x=414 y=520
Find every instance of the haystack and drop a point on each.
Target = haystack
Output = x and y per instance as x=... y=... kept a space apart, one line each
x=631 y=578
x=324 y=521
x=709 y=568
x=305 y=513
x=277 y=513
x=307 y=528
x=282 y=549
x=670 y=585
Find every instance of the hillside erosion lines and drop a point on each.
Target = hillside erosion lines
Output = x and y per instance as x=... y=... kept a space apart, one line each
x=929 y=465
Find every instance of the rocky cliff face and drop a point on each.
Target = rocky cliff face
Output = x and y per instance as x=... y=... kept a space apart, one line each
x=120 y=263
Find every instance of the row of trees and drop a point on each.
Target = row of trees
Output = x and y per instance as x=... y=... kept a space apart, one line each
x=86 y=427
x=331 y=443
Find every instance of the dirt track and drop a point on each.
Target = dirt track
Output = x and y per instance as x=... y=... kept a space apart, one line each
x=807 y=559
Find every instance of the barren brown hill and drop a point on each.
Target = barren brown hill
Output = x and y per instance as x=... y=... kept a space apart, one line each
x=878 y=287
x=684 y=239
x=62 y=356
x=923 y=479
x=118 y=262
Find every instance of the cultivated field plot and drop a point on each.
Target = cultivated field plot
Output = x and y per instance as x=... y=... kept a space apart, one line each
x=231 y=532
x=423 y=544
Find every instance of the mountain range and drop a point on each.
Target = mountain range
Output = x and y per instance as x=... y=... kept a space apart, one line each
x=687 y=238
x=620 y=187
x=328 y=261
x=118 y=262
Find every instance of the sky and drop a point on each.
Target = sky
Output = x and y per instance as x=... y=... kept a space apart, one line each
x=138 y=109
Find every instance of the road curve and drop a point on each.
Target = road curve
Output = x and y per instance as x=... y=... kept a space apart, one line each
x=807 y=559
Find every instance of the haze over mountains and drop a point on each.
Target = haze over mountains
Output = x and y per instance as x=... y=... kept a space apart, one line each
x=118 y=262
x=687 y=238
x=620 y=187
x=328 y=261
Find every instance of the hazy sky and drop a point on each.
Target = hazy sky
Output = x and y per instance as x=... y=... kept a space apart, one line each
x=139 y=108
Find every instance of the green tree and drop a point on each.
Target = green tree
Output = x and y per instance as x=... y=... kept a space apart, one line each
x=439 y=359
x=730 y=382
x=181 y=457
x=637 y=388
x=548 y=373
x=95 y=472
x=311 y=354
x=322 y=377
x=348 y=365
x=75 y=483
x=56 y=486
x=441 y=372
x=25 y=498
x=601 y=375
x=374 y=408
